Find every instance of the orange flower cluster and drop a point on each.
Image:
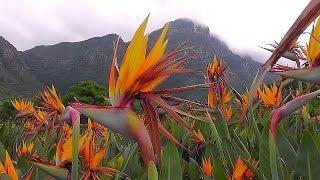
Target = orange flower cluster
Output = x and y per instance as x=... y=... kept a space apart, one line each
x=25 y=149
x=40 y=117
x=218 y=92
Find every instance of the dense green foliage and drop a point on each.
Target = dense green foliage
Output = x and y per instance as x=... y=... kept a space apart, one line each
x=87 y=92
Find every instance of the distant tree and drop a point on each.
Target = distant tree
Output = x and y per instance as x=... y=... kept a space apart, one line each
x=87 y=92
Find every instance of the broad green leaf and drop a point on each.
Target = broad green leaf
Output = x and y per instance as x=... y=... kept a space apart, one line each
x=285 y=174
x=75 y=145
x=238 y=144
x=285 y=149
x=308 y=160
x=193 y=169
x=219 y=171
x=264 y=157
x=171 y=167
x=273 y=158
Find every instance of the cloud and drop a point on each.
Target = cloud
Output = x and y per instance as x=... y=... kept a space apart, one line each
x=244 y=24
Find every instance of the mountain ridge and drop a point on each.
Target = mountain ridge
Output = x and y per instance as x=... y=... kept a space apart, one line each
x=66 y=63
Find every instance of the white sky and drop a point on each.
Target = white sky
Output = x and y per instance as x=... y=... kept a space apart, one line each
x=243 y=24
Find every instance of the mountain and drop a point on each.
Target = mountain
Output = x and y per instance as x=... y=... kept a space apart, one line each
x=15 y=76
x=67 y=63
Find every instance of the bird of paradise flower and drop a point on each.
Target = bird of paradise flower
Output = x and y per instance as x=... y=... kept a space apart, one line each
x=136 y=79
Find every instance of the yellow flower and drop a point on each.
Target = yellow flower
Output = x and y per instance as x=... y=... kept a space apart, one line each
x=225 y=96
x=51 y=100
x=200 y=138
x=271 y=96
x=313 y=48
x=98 y=129
x=23 y=106
x=211 y=97
x=8 y=168
x=244 y=103
x=64 y=150
x=66 y=130
x=40 y=115
x=25 y=149
x=139 y=71
x=228 y=112
x=241 y=171
x=92 y=159
x=207 y=166
x=30 y=126
x=215 y=68
x=216 y=78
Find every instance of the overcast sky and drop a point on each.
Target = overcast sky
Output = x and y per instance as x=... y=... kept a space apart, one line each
x=243 y=24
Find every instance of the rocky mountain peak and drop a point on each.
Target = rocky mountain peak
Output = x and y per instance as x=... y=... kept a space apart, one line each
x=184 y=25
x=7 y=50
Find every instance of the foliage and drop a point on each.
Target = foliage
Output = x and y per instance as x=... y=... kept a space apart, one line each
x=87 y=92
x=271 y=134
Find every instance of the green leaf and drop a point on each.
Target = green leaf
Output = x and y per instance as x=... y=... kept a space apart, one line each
x=171 y=167
x=308 y=160
x=218 y=171
x=152 y=171
x=75 y=144
x=55 y=171
x=284 y=171
x=194 y=169
x=273 y=158
x=238 y=144
x=264 y=157
x=285 y=149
